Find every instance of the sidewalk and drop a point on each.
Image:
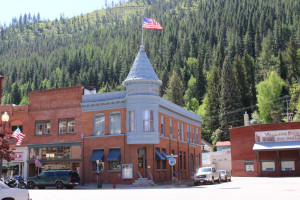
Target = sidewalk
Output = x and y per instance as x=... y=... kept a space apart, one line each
x=106 y=186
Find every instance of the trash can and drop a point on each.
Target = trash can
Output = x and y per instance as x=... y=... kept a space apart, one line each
x=99 y=184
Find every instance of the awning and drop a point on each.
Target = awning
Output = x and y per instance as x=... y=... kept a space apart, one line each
x=159 y=156
x=98 y=155
x=274 y=146
x=114 y=155
x=165 y=154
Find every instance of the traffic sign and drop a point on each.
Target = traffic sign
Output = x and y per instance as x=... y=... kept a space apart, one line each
x=172 y=161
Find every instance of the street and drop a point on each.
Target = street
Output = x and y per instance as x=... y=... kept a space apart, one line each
x=281 y=188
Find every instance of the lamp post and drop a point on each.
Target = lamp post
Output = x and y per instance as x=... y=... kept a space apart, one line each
x=98 y=183
x=3 y=137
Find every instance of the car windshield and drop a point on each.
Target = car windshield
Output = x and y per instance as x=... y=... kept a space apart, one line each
x=204 y=170
x=222 y=172
x=3 y=186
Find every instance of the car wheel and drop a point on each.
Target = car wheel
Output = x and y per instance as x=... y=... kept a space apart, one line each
x=196 y=183
x=30 y=185
x=59 y=185
x=212 y=180
x=225 y=179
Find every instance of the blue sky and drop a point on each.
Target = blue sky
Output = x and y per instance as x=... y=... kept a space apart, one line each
x=49 y=9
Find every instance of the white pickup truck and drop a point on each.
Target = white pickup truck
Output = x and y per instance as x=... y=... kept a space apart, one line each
x=207 y=175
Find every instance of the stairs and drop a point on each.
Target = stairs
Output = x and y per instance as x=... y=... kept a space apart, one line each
x=143 y=182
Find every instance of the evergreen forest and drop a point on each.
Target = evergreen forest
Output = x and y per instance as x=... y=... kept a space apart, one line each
x=217 y=58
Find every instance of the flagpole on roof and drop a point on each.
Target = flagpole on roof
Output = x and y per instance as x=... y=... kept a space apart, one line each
x=142 y=36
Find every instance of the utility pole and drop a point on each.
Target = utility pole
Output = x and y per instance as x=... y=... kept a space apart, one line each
x=285 y=101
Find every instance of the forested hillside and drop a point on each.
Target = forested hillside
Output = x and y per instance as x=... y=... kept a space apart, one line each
x=213 y=52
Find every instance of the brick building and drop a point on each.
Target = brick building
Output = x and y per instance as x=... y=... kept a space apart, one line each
x=266 y=150
x=130 y=133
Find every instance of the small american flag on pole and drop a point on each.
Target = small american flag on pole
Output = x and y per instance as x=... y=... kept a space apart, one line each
x=19 y=136
x=151 y=24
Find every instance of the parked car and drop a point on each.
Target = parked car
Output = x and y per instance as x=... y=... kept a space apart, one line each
x=207 y=175
x=225 y=175
x=57 y=178
x=12 y=193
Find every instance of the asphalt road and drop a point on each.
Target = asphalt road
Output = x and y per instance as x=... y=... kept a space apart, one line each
x=256 y=188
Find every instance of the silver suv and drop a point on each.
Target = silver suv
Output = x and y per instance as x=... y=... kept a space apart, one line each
x=207 y=175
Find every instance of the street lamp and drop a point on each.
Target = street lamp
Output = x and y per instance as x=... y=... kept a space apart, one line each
x=3 y=137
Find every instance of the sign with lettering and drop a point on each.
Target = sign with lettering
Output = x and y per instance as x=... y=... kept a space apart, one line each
x=278 y=136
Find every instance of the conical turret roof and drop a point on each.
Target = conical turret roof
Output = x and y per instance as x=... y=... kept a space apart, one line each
x=141 y=69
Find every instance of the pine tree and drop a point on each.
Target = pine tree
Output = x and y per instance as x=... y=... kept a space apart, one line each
x=231 y=113
x=213 y=100
x=175 y=90
x=15 y=94
x=293 y=61
x=200 y=81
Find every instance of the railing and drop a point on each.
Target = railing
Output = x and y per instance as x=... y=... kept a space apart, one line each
x=139 y=174
x=150 y=175
x=178 y=175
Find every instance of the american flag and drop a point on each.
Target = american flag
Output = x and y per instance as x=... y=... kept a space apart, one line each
x=151 y=24
x=37 y=163
x=19 y=136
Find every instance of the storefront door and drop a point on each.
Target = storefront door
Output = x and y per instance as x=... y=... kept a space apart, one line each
x=141 y=165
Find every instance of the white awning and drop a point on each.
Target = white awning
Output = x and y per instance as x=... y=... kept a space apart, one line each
x=274 y=146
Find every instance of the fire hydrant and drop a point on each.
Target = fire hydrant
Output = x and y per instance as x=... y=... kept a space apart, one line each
x=114 y=183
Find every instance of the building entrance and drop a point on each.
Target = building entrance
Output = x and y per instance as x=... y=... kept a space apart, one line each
x=141 y=161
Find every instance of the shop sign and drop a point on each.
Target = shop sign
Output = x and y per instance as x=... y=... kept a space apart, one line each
x=18 y=156
x=278 y=136
x=127 y=171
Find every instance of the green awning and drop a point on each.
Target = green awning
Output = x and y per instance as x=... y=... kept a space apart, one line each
x=159 y=156
x=98 y=155
x=114 y=155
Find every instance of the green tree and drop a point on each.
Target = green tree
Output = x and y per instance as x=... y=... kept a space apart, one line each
x=268 y=98
x=293 y=61
x=231 y=113
x=175 y=90
x=15 y=94
x=189 y=96
x=213 y=100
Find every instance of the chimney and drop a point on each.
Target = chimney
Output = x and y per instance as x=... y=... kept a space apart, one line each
x=246 y=119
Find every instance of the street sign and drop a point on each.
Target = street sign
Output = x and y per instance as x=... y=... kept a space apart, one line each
x=172 y=161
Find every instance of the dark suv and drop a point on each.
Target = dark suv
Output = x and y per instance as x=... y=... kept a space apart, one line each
x=57 y=178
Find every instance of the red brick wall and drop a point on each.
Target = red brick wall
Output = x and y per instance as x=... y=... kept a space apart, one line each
x=242 y=141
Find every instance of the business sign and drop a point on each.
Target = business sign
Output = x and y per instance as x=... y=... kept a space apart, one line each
x=127 y=171
x=278 y=136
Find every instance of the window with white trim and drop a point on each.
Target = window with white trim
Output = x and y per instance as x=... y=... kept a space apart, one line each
x=162 y=125
x=178 y=130
x=171 y=128
x=148 y=125
x=131 y=121
x=115 y=123
x=42 y=127
x=99 y=124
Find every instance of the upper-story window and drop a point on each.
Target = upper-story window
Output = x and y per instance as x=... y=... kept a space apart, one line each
x=148 y=125
x=162 y=125
x=188 y=133
x=42 y=127
x=182 y=132
x=131 y=121
x=171 y=128
x=178 y=130
x=99 y=124
x=197 y=135
x=64 y=123
x=115 y=123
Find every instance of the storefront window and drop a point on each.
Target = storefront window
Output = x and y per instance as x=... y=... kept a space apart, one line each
x=249 y=167
x=101 y=166
x=287 y=165
x=268 y=166
x=115 y=165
